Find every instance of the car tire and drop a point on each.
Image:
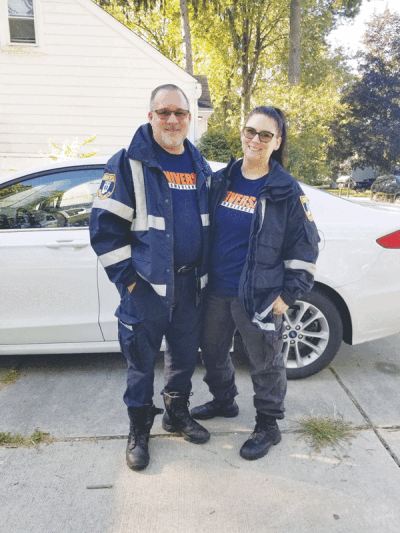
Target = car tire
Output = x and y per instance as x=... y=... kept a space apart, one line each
x=310 y=345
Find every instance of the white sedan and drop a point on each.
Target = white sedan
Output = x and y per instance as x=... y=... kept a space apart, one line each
x=56 y=298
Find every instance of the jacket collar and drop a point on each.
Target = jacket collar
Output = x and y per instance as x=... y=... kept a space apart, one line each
x=278 y=183
x=142 y=149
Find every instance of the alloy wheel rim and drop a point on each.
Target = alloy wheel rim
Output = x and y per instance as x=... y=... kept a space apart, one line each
x=305 y=334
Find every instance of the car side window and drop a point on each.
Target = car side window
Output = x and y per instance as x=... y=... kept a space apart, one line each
x=55 y=200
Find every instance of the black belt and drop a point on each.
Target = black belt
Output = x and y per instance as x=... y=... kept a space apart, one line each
x=185 y=269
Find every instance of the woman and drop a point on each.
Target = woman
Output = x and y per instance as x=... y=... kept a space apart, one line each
x=265 y=245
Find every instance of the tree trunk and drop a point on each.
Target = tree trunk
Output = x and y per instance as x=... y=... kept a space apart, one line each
x=295 y=42
x=246 y=102
x=246 y=82
x=186 y=37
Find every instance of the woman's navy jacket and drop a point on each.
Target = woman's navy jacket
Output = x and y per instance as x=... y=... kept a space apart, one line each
x=283 y=245
x=131 y=223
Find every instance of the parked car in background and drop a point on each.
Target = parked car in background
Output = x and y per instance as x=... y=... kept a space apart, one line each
x=386 y=188
x=56 y=298
x=364 y=185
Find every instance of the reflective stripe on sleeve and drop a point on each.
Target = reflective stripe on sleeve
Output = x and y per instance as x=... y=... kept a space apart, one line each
x=156 y=222
x=116 y=256
x=296 y=264
x=161 y=290
x=203 y=281
x=264 y=313
x=205 y=219
x=269 y=326
x=115 y=207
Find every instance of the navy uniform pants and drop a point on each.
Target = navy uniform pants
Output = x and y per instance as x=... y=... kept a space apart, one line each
x=143 y=320
x=222 y=316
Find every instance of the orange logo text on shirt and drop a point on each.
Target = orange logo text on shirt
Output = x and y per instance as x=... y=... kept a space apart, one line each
x=240 y=202
x=182 y=180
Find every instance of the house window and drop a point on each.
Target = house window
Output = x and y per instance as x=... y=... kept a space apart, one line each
x=21 y=21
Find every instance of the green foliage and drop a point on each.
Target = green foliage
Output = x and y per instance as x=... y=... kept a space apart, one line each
x=10 y=377
x=158 y=23
x=242 y=46
x=8 y=440
x=220 y=143
x=321 y=432
x=309 y=111
x=309 y=108
x=215 y=146
x=367 y=131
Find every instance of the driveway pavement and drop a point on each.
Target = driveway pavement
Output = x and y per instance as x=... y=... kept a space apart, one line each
x=80 y=482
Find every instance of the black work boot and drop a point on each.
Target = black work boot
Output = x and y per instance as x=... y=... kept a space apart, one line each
x=226 y=408
x=141 y=422
x=265 y=434
x=177 y=419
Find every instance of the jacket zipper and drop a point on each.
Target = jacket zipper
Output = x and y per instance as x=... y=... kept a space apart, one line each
x=247 y=296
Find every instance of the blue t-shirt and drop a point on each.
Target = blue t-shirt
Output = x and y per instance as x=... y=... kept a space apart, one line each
x=232 y=233
x=179 y=172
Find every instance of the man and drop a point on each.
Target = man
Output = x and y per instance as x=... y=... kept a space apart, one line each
x=150 y=228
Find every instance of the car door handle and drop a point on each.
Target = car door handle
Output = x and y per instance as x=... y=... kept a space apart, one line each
x=66 y=244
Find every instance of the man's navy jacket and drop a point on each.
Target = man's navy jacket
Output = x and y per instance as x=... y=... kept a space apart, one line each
x=131 y=223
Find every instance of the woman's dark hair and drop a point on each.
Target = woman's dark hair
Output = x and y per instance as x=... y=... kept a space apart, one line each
x=277 y=115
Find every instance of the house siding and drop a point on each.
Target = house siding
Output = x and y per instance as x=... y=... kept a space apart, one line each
x=88 y=75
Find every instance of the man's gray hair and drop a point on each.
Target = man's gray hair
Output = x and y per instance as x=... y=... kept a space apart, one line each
x=167 y=87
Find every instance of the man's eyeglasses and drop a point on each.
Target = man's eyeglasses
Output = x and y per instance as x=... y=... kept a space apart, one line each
x=264 y=136
x=166 y=113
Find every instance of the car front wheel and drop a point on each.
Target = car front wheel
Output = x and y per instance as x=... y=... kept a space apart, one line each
x=312 y=334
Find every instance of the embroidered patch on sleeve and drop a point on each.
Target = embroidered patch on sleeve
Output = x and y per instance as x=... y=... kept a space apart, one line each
x=306 y=206
x=107 y=186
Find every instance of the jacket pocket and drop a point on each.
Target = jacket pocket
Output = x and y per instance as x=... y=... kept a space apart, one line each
x=269 y=247
x=274 y=339
x=131 y=310
x=129 y=335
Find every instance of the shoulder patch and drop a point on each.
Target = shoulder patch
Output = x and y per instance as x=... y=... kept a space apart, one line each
x=306 y=206
x=107 y=186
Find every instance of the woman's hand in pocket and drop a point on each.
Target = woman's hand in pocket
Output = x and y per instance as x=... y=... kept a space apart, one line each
x=280 y=307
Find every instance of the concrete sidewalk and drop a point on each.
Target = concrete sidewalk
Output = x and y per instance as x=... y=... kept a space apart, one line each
x=200 y=488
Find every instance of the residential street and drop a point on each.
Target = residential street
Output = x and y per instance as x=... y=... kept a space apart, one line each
x=80 y=482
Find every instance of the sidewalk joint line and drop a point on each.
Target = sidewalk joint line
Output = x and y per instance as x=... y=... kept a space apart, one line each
x=366 y=418
x=214 y=434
